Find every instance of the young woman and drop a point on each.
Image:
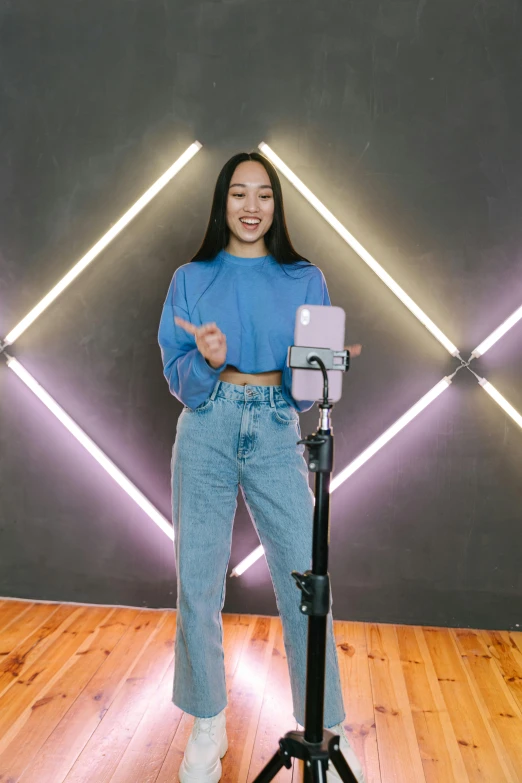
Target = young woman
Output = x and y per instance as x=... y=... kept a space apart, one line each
x=224 y=334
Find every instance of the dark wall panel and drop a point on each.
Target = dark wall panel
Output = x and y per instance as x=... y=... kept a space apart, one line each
x=405 y=118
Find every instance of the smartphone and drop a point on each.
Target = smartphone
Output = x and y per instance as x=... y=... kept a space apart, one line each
x=318 y=326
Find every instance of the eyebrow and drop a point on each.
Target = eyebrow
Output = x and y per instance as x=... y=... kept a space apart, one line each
x=242 y=185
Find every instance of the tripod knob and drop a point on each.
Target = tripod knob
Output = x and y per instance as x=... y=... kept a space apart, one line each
x=316 y=593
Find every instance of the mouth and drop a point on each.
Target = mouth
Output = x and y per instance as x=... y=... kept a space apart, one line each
x=251 y=224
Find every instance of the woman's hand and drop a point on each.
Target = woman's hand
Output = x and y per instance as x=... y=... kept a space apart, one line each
x=210 y=341
x=355 y=350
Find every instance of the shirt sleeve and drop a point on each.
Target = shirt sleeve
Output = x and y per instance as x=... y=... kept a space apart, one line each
x=316 y=294
x=317 y=291
x=191 y=379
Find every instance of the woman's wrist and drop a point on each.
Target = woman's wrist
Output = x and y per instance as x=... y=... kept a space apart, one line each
x=211 y=365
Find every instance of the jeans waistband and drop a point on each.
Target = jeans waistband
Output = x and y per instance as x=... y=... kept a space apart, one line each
x=247 y=393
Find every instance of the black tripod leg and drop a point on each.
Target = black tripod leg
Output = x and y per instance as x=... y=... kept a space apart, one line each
x=269 y=772
x=318 y=772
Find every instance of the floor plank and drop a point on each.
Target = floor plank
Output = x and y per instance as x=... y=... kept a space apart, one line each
x=505 y=651
x=358 y=696
x=399 y=752
x=11 y=610
x=143 y=758
x=22 y=626
x=494 y=697
x=246 y=698
x=276 y=717
x=438 y=748
x=459 y=774
x=105 y=748
x=26 y=653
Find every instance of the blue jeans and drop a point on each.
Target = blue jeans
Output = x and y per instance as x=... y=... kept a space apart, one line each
x=240 y=436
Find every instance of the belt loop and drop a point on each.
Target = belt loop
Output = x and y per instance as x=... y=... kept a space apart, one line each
x=216 y=387
x=272 y=403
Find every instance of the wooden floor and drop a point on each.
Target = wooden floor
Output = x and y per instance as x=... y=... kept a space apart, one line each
x=85 y=696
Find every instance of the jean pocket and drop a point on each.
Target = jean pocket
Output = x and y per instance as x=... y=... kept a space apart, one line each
x=202 y=407
x=284 y=413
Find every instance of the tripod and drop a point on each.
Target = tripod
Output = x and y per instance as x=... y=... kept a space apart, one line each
x=316 y=746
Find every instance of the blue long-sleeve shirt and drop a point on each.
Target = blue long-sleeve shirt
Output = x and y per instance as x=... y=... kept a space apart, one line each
x=254 y=302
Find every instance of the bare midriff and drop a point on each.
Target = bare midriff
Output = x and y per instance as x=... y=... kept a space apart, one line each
x=231 y=375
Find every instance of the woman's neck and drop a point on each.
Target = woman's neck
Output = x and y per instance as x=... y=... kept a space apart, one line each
x=246 y=249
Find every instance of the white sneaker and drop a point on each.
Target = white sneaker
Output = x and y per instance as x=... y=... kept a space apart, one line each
x=206 y=747
x=348 y=753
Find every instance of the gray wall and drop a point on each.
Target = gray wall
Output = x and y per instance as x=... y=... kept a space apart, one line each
x=406 y=119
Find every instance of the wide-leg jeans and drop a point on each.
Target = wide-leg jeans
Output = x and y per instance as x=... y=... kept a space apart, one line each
x=241 y=436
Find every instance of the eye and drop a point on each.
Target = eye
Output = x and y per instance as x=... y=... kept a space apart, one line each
x=264 y=196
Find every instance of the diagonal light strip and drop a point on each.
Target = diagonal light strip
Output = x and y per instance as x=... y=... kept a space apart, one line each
x=499 y=332
x=359 y=249
x=89 y=445
x=350 y=469
x=249 y=560
x=500 y=400
x=102 y=243
x=386 y=436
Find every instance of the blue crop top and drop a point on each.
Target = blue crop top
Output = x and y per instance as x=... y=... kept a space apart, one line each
x=254 y=302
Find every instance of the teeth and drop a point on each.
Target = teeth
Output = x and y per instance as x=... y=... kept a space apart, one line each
x=250 y=222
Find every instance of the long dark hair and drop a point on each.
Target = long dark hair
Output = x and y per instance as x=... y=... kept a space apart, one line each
x=217 y=234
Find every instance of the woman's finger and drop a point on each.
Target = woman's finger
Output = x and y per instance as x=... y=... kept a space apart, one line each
x=199 y=331
x=207 y=329
x=186 y=325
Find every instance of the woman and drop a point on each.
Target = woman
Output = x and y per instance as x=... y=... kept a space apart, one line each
x=225 y=329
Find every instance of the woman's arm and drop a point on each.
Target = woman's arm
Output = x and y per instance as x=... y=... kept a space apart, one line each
x=190 y=378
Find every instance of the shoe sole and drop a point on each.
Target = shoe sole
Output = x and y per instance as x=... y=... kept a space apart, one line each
x=209 y=776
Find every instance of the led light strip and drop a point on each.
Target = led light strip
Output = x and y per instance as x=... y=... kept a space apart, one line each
x=350 y=469
x=499 y=332
x=102 y=243
x=359 y=249
x=91 y=447
x=390 y=433
x=500 y=400
x=248 y=561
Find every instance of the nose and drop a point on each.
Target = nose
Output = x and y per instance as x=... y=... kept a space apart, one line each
x=251 y=204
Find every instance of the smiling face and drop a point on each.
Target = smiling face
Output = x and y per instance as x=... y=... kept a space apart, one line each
x=250 y=209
